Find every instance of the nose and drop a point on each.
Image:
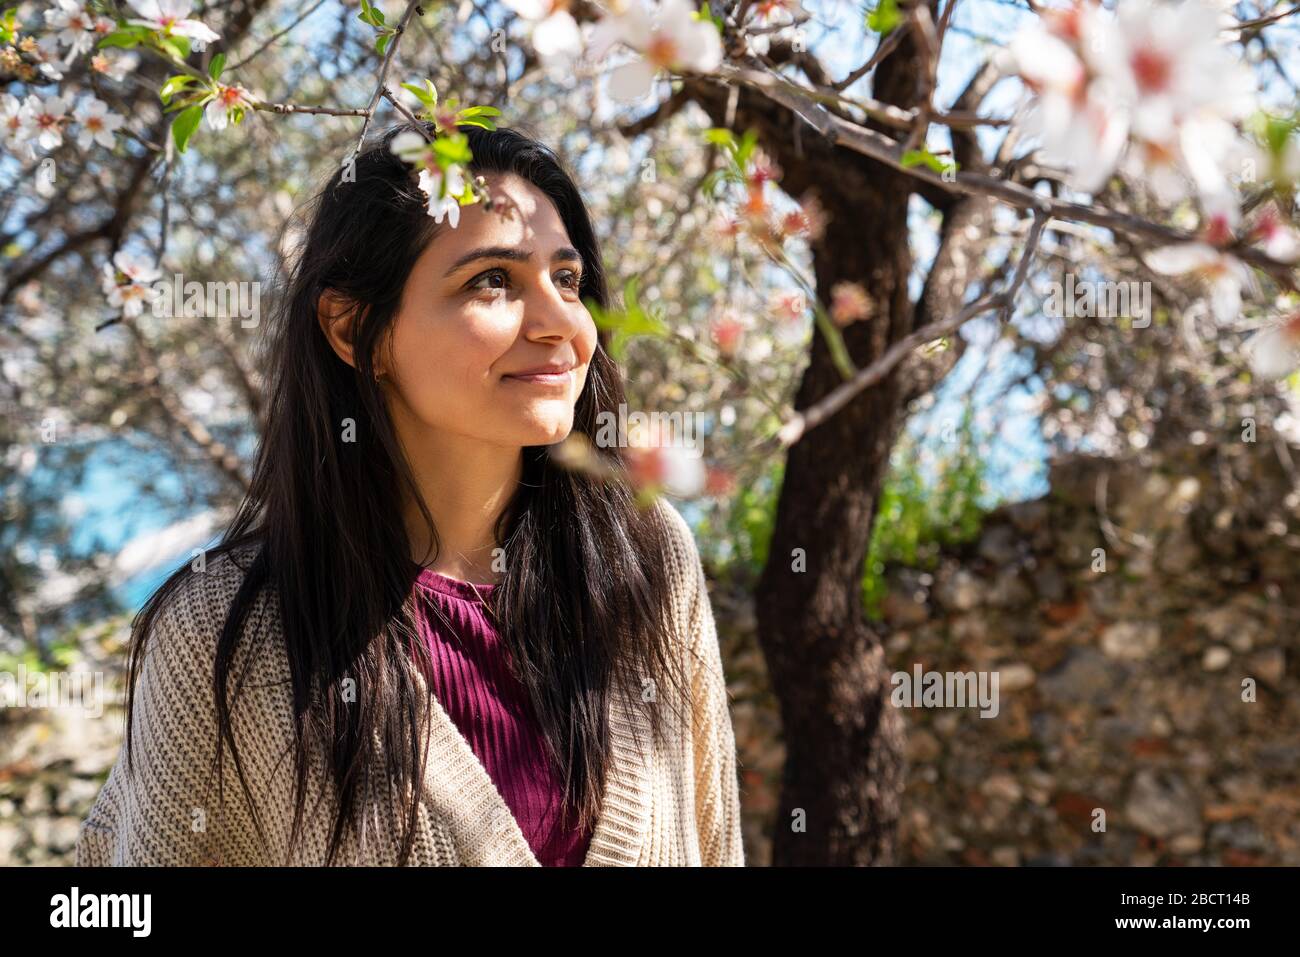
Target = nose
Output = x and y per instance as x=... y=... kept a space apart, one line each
x=548 y=316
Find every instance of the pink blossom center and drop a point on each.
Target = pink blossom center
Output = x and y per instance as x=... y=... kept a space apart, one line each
x=661 y=51
x=1217 y=230
x=1066 y=24
x=1152 y=70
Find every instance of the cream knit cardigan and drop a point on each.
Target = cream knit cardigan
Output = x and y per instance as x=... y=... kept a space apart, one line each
x=663 y=806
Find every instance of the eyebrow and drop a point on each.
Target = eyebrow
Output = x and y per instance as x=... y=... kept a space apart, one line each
x=563 y=254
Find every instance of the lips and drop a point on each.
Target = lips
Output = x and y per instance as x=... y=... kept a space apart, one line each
x=551 y=374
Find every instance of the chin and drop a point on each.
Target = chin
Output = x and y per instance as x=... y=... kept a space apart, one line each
x=546 y=431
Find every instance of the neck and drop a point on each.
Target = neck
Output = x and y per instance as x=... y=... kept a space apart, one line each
x=465 y=484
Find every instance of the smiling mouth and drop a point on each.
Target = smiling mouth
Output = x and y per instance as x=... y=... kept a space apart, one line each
x=542 y=378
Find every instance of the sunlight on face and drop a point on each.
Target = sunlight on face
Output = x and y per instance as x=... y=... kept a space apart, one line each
x=486 y=302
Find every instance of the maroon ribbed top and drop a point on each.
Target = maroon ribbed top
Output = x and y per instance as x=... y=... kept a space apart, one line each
x=472 y=681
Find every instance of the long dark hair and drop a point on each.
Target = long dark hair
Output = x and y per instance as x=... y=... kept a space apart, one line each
x=582 y=606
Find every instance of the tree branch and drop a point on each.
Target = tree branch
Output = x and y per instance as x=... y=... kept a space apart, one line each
x=799 y=423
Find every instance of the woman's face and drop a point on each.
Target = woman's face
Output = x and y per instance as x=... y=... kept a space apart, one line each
x=491 y=340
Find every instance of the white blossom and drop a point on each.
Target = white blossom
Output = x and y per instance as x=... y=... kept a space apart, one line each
x=98 y=124
x=227 y=98
x=1275 y=352
x=555 y=34
x=1223 y=273
x=75 y=26
x=43 y=119
x=1153 y=72
x=442 y=191
x=117 y=67
x=171 y=18
x=667 y=37
x=138 y=290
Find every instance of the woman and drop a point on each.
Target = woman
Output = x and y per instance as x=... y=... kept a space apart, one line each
x=422 y=641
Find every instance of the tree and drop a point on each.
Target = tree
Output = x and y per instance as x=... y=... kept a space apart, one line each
x=1138 y=147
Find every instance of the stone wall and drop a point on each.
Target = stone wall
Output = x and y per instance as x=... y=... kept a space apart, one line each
x=1121 y=685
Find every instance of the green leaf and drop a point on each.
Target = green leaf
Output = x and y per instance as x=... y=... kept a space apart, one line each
x=835 y=342
x=174 y=85
x=466 y=197
x=421 y=93
x=885 y=17
x=610 y=320
x=217 y=64
x=452 y=149
x=382 y=41
x=1276 y=133
x=745 y=150
x=923 y=157
x=709 y=185
x=371 y=14
x=178 y=47
x=478 y=116
x=631 y=321
x=126 y=37
x=719 y=136
x=8 y=28
x=185 y=124
x=705 y=14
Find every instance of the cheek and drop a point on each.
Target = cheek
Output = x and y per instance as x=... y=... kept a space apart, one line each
x=443 y=362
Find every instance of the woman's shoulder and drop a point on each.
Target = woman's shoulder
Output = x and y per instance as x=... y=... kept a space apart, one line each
x=191 y=617
x=683 y=555
x=687 y=582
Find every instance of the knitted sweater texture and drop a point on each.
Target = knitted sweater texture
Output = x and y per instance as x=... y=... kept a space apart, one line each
x=666 y=804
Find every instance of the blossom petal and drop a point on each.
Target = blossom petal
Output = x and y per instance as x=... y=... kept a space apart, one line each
x=1181 y=258
x=1273 y=353
x=557 y=36
x=631 y=81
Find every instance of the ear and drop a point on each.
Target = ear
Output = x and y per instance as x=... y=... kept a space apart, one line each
x=336 y=315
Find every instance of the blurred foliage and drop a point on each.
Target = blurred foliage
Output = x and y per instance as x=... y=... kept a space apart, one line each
x=919 y=516
x=921 y=511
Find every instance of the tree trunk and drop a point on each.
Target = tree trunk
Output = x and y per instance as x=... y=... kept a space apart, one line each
x=845 y=768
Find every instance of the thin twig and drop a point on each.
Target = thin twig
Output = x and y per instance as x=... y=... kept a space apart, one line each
x=287 y=108
x=276 y=36
x=411 y=117
x=1264 y=21
x=883 y=50
x=383 y=69
x=799 y=424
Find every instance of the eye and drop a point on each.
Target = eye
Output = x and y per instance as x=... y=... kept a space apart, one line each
x=570 y=279
x=489 y=274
